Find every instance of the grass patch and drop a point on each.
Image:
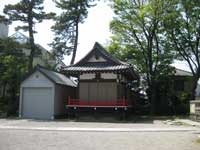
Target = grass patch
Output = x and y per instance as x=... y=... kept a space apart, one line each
x=198 y=140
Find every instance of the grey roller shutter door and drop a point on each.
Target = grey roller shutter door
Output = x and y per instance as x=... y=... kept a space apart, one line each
x=37 y=103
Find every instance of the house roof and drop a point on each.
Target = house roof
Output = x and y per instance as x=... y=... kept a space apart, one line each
x=108 y=63
x=55 y=77
x=98 y=49
x=179 y=72
x=4 y=20
x=21 y=38
x=98 y=67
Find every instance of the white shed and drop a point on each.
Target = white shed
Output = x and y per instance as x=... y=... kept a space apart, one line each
x=44 y=93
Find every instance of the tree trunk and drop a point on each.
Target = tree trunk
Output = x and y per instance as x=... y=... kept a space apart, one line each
x=31 y=40
x=152 y=99
x=12 y=109
x=32 y=45
x=75 y=43
x=151 y=75
x=194 y=86
x=4 y=90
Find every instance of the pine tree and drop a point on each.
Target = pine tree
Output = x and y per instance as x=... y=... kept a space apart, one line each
x=29 y=12
x=66 y=27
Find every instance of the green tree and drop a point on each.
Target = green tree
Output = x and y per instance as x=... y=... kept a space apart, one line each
x=28 y=12
x=183 y=29
x=13 y=67
x=66 y=27
x=138 y=36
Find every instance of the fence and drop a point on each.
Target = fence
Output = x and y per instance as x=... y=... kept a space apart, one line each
x=78 y=102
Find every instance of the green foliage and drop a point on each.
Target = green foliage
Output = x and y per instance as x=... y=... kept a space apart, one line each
x=140 y=38
x=29 y=12
x=66 y=27
x=13 y=66
x=183 y=31
x=170 y=101
x=198 y=140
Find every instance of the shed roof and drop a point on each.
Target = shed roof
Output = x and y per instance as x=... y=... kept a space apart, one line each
x=55 y=77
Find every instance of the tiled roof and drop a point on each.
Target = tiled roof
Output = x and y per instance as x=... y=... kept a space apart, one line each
x=98 y=49
x=56 y=77
x=98 y=68
x=110 y=63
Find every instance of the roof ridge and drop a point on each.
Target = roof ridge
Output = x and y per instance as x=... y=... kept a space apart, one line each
x=112 y=57
x=48 y=69
x=104 y=52
x=182 y=70
x=43 y=71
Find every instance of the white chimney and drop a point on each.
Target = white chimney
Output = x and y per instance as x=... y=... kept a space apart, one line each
x=4 y=28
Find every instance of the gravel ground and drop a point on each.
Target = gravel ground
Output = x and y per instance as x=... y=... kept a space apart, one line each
x=59 y=140
x=12 y=139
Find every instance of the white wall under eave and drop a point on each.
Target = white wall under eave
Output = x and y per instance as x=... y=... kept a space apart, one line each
x=108 y=76
x=37 y=79
x=87 y=76
x=93 y=59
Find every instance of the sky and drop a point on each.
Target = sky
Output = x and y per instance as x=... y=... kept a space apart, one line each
x=94 y=29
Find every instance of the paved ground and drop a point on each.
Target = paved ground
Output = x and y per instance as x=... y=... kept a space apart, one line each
x=59 y=140
x=26 y=139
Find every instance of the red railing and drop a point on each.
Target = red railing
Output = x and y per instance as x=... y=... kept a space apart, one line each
x=78 y=102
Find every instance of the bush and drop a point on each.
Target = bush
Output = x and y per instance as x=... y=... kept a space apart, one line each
x=9 y=106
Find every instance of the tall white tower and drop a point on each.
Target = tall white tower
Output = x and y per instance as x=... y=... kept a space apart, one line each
x=4 y=28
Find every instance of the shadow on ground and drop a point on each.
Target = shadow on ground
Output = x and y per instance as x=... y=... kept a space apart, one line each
x=106 y=119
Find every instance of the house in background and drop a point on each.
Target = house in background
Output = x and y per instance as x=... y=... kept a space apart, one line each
x=43 y=56
x=182 y=87
x=173 y=93
x=182 y=81
x=4 y=28
x=198 y=91
x=103 y=82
